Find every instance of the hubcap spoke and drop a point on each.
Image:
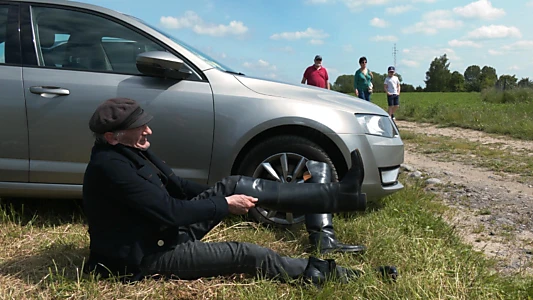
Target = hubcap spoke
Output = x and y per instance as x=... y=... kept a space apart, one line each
x=271 y=214
x=289 y=217
x=299 y=168
x=268 y=167
x=284 y=165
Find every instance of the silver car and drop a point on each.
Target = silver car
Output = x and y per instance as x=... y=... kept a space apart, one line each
x=60 y=59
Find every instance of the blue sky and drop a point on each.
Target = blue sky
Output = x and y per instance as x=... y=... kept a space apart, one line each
x=279 y=39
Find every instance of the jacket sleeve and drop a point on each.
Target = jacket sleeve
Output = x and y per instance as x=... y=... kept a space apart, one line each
x=156 y=203
x=189 y=187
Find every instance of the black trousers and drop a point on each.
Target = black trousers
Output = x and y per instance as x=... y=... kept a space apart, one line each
x=193 y=259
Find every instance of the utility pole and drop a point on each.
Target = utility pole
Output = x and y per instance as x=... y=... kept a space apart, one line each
x=394 y=51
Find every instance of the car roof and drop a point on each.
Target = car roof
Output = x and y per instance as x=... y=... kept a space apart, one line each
x=76 y=4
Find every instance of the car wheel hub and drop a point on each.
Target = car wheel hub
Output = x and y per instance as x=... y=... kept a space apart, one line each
x=282 y=167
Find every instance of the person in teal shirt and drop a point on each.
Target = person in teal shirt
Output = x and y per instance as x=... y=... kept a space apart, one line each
x=363 y=80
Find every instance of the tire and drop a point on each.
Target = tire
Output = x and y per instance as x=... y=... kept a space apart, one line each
x=296 y=150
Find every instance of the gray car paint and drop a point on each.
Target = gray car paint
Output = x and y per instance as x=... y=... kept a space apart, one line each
x=200 y=127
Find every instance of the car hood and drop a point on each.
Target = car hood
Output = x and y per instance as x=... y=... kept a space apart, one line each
x=310 y=94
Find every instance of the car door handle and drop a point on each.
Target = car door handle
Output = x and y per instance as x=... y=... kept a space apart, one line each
x=54 y=90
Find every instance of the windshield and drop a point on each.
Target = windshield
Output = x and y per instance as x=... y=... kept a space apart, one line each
x=197 y=52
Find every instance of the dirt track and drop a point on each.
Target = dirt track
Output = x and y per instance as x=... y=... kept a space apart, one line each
x=493 y=211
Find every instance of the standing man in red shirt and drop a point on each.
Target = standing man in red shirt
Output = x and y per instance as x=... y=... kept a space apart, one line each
x=316 y=74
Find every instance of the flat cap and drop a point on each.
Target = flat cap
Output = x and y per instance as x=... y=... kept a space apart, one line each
x=118 y=114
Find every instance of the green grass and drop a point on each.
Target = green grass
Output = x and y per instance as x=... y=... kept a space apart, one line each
x=469 y=110
x=43 y=247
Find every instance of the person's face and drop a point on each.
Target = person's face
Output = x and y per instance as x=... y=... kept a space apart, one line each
x=363 y=64
x=135 y=137
x=391 y=73
x=318 y=62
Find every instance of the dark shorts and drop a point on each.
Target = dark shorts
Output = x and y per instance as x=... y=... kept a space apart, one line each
x=393 y=100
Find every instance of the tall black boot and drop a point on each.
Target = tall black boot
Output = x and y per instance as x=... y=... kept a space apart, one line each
x=320 y=226
x=318 y=271
x=310 y=197
x=322 y=235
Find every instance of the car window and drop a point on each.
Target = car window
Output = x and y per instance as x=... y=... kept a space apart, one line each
x=78 y=40
x=3 y=32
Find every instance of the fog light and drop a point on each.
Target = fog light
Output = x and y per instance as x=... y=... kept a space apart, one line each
x=389 y=176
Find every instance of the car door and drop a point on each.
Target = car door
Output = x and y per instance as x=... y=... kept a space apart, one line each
x=84 y=58
x=14 y=164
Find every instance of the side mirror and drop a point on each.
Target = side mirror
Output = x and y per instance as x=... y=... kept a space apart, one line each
x=162 y=64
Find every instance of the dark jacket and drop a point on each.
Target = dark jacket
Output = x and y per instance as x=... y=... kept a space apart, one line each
x=135 y=205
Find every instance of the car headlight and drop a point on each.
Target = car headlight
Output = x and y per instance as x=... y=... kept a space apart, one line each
x=377 y=125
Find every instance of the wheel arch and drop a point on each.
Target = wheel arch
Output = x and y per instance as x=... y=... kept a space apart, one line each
x=314 y=135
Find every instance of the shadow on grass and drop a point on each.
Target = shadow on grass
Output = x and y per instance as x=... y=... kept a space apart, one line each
x=64 y=260
x=42 y=212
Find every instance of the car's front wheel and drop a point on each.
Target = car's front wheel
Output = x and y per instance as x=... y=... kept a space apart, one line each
x=282 y=159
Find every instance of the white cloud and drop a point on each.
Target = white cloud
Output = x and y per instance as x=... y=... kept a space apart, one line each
x=520 y=45
x=191 y=20
x=426 y=53
x=514 y=68
x=400 y=9
x=494 y=32
x=316 y=42
x=409 y=63
x=357 y=5
x=377 y=22
x=260 y=65
x=433 y=21
x=464 y=43
x=495 y=52
x=384 y=38
x=309 y=33
x=530 y=3
x=347 y=48
x=481 y=9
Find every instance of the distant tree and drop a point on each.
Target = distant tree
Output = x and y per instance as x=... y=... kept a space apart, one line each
x=488 y=77
x=507 y=82
x=457 y=82
x=525 y=82
x=438 y=75
x=407 y=87
x=344 y=84
x=419 y=89
x=472 y=78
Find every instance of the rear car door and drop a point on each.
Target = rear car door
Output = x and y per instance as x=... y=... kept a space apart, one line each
x=82 y=58
x=14 y=137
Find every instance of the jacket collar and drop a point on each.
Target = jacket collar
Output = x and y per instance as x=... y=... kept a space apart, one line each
x=131 y=153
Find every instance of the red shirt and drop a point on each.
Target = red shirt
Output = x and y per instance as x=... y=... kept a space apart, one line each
x=316 y=77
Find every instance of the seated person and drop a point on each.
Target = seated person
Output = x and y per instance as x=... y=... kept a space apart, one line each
x=144 y=220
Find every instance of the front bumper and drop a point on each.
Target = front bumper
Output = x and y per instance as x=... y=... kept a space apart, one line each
x=382 y=158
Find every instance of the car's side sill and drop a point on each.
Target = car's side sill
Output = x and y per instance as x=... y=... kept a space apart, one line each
x=40 y=190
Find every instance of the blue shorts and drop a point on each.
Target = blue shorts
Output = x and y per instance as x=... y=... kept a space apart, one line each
x=393 y=100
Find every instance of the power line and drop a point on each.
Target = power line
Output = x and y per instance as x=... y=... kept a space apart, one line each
x=394 y=51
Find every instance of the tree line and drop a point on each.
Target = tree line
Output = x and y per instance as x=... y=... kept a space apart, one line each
x=439 y=78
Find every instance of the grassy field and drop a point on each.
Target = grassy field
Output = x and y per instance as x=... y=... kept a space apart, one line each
x=468 y=110
x=43 y=246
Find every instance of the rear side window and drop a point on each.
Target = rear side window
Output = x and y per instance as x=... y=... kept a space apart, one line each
x=78 y=40
x=3 y=32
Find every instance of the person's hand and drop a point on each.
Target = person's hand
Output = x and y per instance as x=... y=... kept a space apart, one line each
x=356 y=93
x=240 y=204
